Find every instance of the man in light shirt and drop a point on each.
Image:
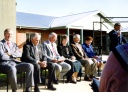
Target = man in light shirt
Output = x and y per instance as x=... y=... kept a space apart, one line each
x=53 y=56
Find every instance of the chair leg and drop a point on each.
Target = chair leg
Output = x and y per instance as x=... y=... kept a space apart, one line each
x=45 y=78
x=7 y=83
x=23 y=81
x=63 y=79
x=98 y=71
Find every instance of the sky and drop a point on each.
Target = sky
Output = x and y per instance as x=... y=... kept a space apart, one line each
x=58 y=8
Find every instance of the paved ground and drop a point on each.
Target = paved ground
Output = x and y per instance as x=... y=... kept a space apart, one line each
x=82 y=86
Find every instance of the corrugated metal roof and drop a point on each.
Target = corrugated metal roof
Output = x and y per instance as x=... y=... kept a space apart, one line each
x=41 y=21
x=65 y=20
x=33 y=20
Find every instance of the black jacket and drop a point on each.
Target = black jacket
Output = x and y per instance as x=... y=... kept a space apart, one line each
x=28 y=54
x=114 y=39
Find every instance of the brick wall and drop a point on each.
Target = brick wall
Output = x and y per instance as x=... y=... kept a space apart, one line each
x=21 y=35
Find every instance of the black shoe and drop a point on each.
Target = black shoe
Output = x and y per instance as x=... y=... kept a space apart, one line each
x=79 y=80
x=51 y=87
x=87 y=78
x=14 y=90
x=27 y=91
x=67 y=81
x=36 y=89
x=55 y=81
x=72 y=81
x=92 y=76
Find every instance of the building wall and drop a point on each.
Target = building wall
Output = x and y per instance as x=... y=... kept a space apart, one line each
x=7 y=17
x=21 y=35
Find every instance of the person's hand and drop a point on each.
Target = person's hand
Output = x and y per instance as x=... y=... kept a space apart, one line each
x=62 y=59
x=118 y=33
x=96 y=57
x=43 y=64
x=54 y=60
x=8 y=54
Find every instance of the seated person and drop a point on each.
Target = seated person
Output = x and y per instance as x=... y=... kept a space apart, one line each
x=114 y=77
x=9 y=65
x=50 y=51
x=33 y=53
x=88 y=48
x=88 y=63
x=66 y=51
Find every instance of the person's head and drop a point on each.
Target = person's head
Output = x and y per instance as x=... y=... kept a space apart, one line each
x=65 y=39
x=76 y=38
x=88 y=40
x=35 y=38
x=117 y=26
x=52 y=37
x=8 y=34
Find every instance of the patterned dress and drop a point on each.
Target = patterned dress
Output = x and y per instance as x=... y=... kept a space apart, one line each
x=66 y=51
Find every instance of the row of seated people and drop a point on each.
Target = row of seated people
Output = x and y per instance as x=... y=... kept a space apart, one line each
x=75 y=53
x=36 y=55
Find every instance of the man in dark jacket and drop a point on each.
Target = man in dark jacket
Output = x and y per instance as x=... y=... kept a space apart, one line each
x=116 y=38
x=33 y=53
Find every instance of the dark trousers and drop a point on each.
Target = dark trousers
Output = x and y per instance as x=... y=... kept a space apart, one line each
x=51 y=72
x=37 y=78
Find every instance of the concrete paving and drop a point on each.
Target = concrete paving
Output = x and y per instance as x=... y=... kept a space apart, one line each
x=82 y=86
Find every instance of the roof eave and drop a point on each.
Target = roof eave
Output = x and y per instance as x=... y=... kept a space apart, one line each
x=30 y=27
x=62 y=27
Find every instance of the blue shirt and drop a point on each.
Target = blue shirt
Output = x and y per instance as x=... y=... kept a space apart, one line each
x=88 y=50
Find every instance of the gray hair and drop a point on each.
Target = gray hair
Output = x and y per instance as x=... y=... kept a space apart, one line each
x=76 y=35
x=35 y=35
x=7 y=30
x=52 y=34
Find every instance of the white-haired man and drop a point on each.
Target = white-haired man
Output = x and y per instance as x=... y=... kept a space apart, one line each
x=53 y=56
x=88 y=63
x=33 y=53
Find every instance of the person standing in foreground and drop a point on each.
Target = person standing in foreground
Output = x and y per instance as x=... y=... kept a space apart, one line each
x=9 y=65
x=114 y=76
x=33 y=53
x=116 y=38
